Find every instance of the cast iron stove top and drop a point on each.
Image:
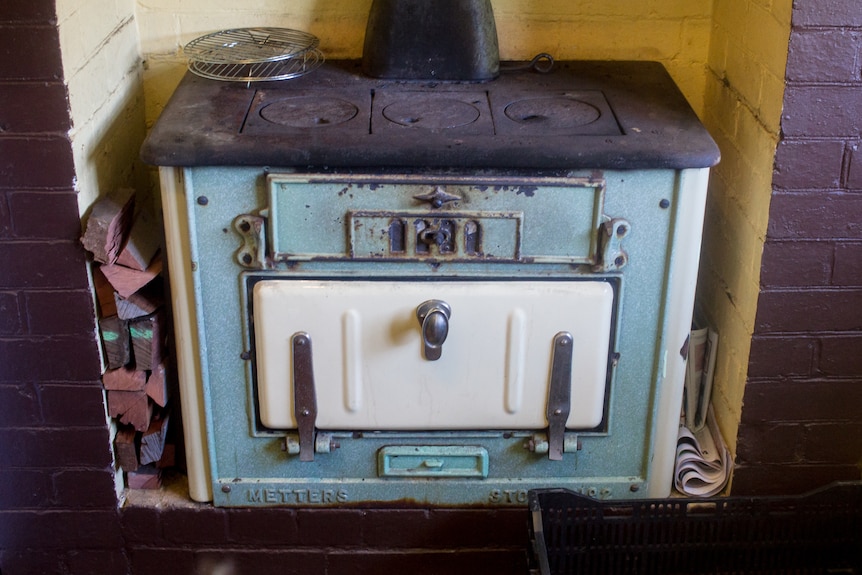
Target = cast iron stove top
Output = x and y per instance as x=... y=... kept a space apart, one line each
x=600 y=115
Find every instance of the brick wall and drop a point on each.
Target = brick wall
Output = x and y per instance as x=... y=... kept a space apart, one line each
x=205 y=540
x=58 y=510
x=802 y=409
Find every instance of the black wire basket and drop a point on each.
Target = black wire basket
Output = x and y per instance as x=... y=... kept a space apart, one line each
x=819 y=532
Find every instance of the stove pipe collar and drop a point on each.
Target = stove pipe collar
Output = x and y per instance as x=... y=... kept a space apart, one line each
x=447 y=40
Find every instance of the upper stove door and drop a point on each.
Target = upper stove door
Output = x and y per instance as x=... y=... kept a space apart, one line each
x=424 y=218
x=491 y=362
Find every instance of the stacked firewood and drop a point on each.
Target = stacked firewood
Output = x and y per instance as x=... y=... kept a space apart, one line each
x=127 y=274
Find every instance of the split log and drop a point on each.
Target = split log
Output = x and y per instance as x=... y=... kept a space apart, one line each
x=153 y=440
x=108 y=225
x=143 y=242
x=147 y=338
x=126 y=449
x=157 y=385
x=104 y=293
x=143 y=302
x=131 y=407
x=124 y=379
x=127 y=281
x=129 y=308
x=116 y=341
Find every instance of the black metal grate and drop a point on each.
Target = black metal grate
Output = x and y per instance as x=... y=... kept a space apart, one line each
x=820 y=532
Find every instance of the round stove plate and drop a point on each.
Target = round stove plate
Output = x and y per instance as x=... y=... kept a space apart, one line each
x=309 y=112
x=432 y=114
x=558 y=111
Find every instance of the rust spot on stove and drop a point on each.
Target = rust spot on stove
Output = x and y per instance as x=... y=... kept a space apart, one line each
x=528 y=191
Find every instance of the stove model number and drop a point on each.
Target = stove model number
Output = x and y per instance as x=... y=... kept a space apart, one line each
x=508 y=496
x=519 y=496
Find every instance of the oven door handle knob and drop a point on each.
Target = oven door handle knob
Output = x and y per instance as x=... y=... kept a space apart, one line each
x=433 y=316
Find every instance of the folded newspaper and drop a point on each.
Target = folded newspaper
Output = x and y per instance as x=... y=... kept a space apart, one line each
x=703 y=462
x=699 y=370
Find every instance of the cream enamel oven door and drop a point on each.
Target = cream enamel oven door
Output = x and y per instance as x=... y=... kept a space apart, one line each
x=371 y=373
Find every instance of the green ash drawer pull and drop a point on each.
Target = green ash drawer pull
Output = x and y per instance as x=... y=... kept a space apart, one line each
x=432 y=461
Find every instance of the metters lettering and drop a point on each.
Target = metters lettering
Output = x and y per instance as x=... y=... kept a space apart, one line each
x=296 y=496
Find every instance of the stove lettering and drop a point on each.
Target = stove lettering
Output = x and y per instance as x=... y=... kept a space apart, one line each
x=299 y=496
x=508 y=496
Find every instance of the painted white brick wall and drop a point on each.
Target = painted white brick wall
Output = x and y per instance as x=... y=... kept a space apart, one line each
x=101 y=62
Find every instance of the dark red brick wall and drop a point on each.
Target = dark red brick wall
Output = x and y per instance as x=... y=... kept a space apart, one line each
x=326 y=541
x=802 y=410
x=58 y=509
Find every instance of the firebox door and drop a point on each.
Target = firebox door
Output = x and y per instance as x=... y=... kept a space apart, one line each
x=412 y=355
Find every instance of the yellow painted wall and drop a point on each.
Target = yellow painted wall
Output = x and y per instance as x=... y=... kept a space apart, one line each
x=675 y=32
x=744 y=91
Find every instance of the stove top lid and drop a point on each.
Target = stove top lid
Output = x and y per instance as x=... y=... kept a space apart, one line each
x=597 y=115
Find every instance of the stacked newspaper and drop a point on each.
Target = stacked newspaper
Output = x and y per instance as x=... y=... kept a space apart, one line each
x=703 y=462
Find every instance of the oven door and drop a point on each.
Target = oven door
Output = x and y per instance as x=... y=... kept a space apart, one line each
x=447 y=355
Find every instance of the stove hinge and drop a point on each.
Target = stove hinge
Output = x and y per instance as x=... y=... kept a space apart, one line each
x=611 y=255
x=252 y=253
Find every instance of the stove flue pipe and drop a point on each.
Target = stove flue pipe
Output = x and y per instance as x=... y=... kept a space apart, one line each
x=448 y=40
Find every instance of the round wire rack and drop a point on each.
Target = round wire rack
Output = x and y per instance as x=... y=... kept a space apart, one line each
x=254 y=54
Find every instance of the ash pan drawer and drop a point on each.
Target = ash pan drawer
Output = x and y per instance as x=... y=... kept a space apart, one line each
x=432 y=218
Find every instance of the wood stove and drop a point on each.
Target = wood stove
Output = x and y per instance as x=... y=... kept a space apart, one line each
x=428 y=292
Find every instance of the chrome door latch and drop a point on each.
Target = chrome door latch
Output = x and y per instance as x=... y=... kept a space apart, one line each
x=433 y=316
